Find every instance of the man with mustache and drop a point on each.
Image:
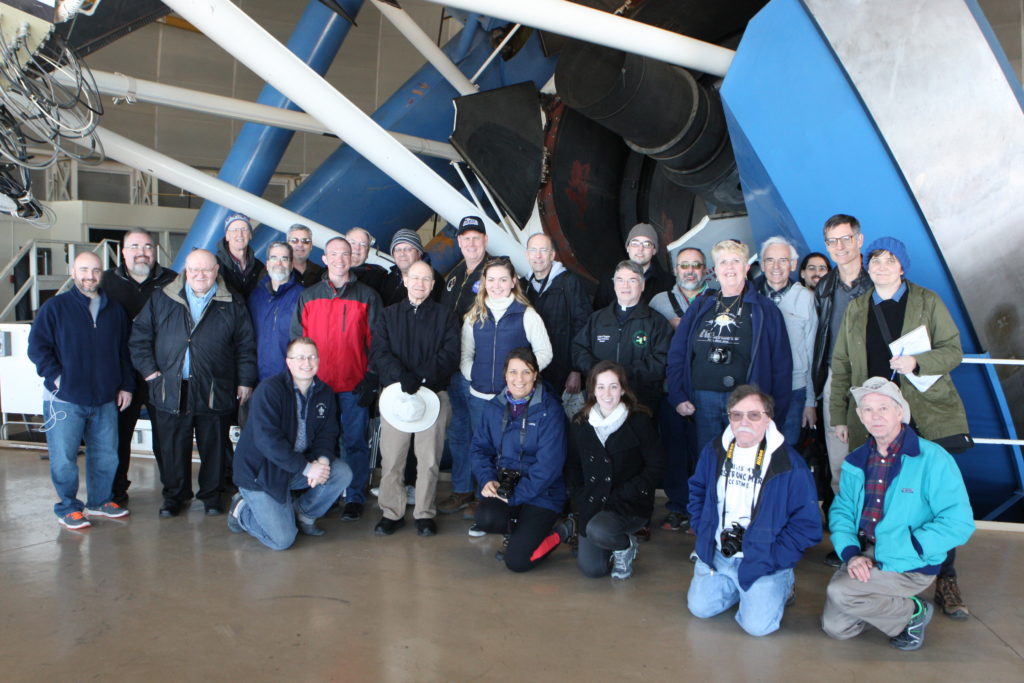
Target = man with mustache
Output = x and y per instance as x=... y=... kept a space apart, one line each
x=131 y=284
x=272 y=305
x=754 y=508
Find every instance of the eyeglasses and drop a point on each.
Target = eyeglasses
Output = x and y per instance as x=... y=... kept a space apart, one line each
x=845 y=239
x=779 y=261
x=241 y=229
x=139 y=247
x=816 y=269
x=752 y=415
x=364 y=245
x=201 y=271
x=690 y=265
x=300 y=240
x=498 y=260
x=626 y=281
x=279 y=259
x=642 y=244
x=538 y=250
x=303 y=359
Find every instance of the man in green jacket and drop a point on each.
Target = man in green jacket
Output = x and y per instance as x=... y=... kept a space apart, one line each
x=902 y=506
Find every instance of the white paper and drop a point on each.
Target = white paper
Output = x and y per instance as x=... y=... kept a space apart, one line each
x=912 y=343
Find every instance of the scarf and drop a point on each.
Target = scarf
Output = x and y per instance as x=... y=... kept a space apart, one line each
x=606 y=426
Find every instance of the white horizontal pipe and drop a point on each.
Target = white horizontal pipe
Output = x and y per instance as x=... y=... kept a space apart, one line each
x=208 y=187
x=601 y=28
x=228 y=26
x=120 y=85
x=426 y=47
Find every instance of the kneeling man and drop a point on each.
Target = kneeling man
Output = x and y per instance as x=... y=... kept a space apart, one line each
x=289 y=442
x=902 y=505
x=754 y=508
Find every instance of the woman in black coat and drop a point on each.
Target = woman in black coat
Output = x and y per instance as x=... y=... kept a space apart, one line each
x=614 y=462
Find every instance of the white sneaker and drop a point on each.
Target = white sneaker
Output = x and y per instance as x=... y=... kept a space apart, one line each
x=476 y=532
x=375 y=492
x=410 y=495
x=622 y=560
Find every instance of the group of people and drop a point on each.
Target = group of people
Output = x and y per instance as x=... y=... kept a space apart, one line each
x=561 y=414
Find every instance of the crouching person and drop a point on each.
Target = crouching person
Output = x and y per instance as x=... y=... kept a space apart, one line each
x=902 y=506
x=288 y=443
x=754 y=508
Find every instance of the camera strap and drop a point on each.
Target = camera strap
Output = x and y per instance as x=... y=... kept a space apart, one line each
x=522 y=430
x=727 y=469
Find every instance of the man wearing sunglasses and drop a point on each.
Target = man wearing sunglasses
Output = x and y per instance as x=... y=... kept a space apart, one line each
x=300 y=239
x=754 y=509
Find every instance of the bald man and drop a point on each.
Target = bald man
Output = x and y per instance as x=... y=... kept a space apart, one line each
x=370 y=274
x=194 y=344
x=79 y=344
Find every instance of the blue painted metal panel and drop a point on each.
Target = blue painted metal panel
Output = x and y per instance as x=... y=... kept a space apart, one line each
x=258 y=150
x=807 y=149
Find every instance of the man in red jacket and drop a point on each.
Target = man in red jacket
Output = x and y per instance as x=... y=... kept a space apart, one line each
x=338 y=313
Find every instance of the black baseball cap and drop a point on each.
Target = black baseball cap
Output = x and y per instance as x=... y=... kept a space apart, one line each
x=471 y=223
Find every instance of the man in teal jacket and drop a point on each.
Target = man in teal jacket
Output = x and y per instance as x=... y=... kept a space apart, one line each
x=902 y=506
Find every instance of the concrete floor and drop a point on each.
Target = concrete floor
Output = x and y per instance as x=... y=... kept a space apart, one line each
x=185 y=599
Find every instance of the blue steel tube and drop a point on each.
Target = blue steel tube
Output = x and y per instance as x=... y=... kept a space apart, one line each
x=258 y=150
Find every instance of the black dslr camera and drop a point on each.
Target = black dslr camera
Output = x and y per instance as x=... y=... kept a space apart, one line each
x=507 y=480
x=732 y=540
x=719 y=355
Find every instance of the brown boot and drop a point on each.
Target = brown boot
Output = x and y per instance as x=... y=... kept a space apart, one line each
x=947 y=596
x=454 y=502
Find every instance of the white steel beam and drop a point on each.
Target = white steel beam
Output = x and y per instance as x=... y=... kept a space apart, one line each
x=601 y=28
x=228 y=26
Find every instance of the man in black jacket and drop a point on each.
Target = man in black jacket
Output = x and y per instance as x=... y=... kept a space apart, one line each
x=563 y=305
x=239 y=266
x=641 y=248
x=131 y=284
x=290 y=442
x=628 y=332
x=416 y=343
x=194 y=344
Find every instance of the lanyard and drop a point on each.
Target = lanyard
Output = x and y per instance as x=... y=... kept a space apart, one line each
x=727 y=469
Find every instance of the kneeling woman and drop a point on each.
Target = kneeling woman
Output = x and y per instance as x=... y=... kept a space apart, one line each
x=519 y=451
x=615 y=462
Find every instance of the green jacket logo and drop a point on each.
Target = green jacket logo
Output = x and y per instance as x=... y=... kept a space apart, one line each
x=640 y=338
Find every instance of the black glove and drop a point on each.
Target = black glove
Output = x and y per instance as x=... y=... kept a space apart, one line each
x=367 y=390
x=410 y=382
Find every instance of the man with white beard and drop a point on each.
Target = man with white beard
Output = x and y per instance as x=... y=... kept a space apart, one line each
x=131 y=284
x=272 y=304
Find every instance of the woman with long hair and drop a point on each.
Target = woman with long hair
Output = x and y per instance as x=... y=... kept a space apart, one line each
x=614 y=463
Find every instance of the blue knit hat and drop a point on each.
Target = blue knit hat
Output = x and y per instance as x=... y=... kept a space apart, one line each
x=232 y=217
x=894 y=247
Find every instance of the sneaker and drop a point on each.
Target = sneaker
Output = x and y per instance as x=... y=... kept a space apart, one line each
x=74 y=520
x=352 y=512
x=426 y=527
x=476 y=532
x=947 y=596
x=833 y=560
x=675 y=521
x=566 y=529
x=912 y=637
x=500 y=555
x=694 y=557
x=622 y=560
x=109 y=509
x=386 y=527
x=410 y=495
x=375 y=492
x=454 y=502
x=235 y=509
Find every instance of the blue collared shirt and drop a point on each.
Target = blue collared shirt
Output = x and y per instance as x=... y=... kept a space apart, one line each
x=875 y=299
x=197 y=307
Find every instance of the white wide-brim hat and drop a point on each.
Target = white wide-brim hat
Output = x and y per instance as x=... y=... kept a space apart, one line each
x=409 y=412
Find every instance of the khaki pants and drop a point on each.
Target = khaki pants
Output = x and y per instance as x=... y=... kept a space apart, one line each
x=883 y=601
x=837 y=450
x=394 y=450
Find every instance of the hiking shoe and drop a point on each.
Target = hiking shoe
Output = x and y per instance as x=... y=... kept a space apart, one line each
x=235 y=509
x=74 y=520
x=386 y=527
x=410 y=495
x=947 y=596
x=566 y=529
x=352 y=512
x=912 y=637
x=500 y=555
x=622 y=560
x=108 y=509
x=675 y=521
x=454 y=502
x=476 y=532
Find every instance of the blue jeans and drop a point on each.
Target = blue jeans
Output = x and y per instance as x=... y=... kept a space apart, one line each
x=98 y=424
x=791 y=425
x=761 y=606
x=460 y=434
x=273 y=523
x=354 y=420
x=710 y=415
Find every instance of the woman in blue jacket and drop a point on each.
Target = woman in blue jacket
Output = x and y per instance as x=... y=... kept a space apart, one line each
x=518 y=451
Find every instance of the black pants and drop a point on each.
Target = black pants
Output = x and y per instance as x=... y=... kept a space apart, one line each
x=126 y=421
x=531 y=537
x=606 y=531
x=174 y=457
x=947 y=568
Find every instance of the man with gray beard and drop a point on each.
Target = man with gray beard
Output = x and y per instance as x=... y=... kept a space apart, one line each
x=131 y=284
x=272 y=304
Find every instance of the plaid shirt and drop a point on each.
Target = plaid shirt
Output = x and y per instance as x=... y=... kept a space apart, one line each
x=880 y=472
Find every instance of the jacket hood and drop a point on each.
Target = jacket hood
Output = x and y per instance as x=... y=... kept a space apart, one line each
x=773 y=436
x=556 y=269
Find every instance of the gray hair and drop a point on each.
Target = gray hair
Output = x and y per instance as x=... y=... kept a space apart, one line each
x=280 y=244
x=779 y=239
x=630 y=266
